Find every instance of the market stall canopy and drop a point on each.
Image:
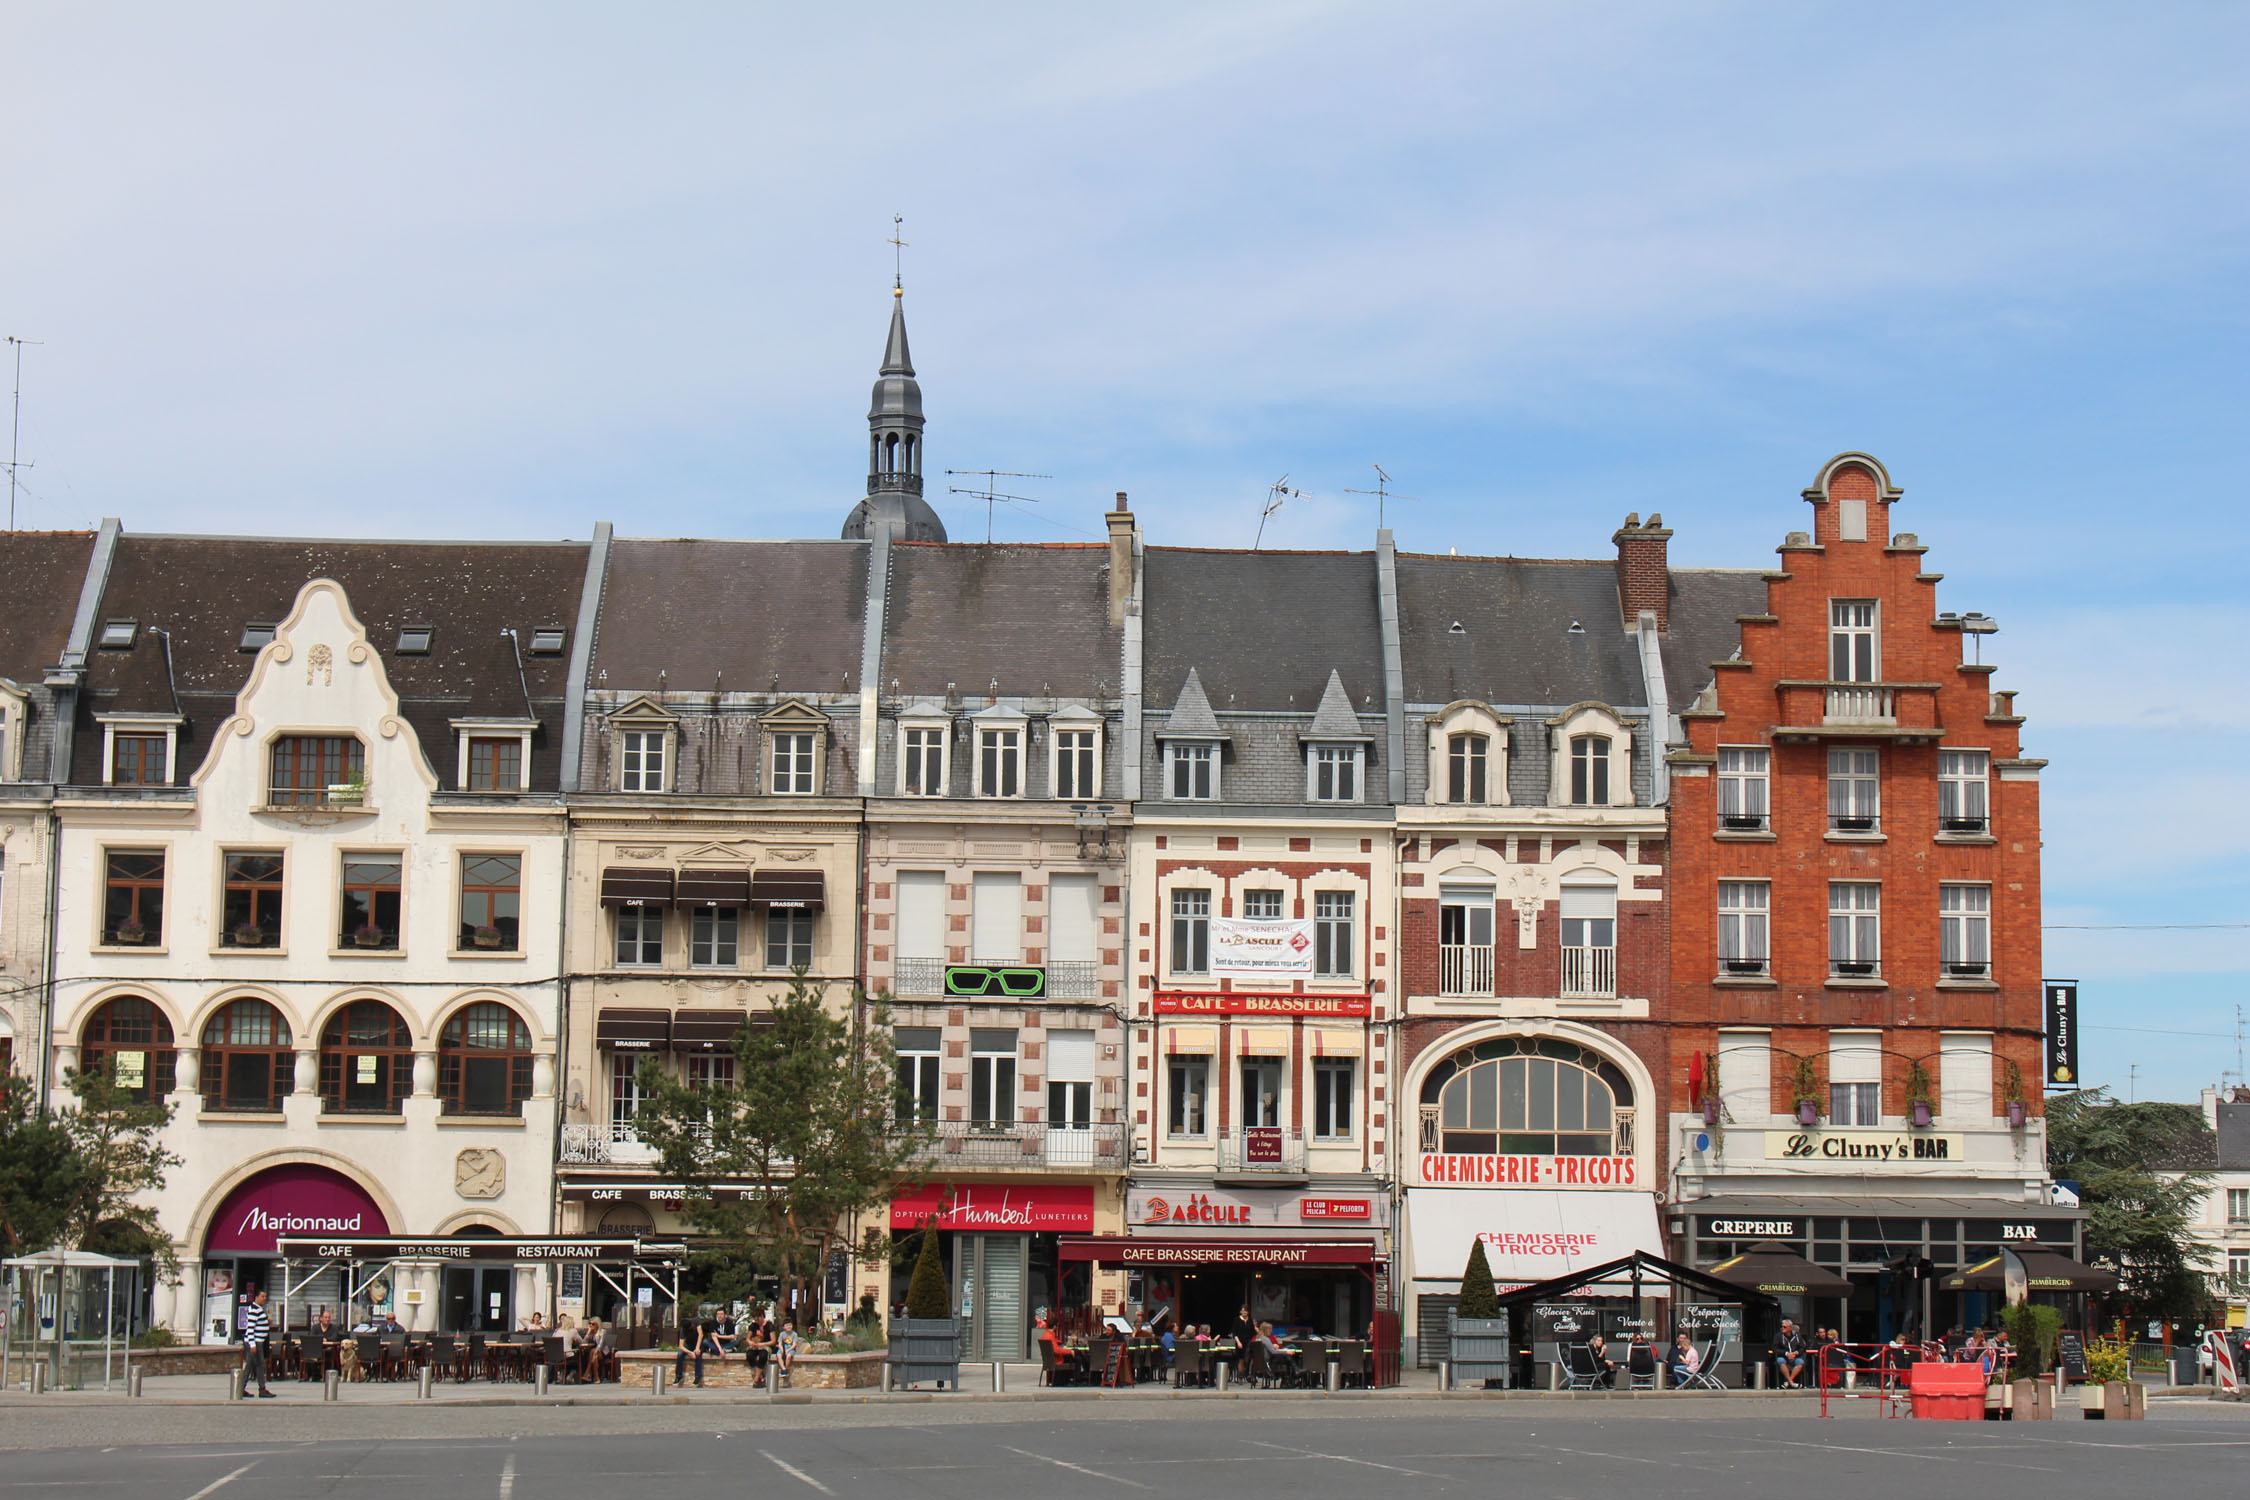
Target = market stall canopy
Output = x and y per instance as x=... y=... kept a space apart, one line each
x=627 y=887
x=789 y=890
x=1780 y=1271
x=2048 y=1272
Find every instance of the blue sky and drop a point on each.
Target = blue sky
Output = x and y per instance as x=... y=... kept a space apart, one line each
x=512 y=269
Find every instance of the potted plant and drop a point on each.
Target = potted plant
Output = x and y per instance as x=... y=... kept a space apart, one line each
x=1477 y=1330
x=131 y=931
x=926 y=1343
x=249 y=935
x=2012 y=1091
x=367 y=935
x=1804 y=1079
x=352 y=793
x=2110 y=1391
x=1919 y=1093
x=487 y=937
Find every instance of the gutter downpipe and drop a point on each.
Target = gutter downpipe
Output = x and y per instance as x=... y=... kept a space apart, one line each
x=566 y=782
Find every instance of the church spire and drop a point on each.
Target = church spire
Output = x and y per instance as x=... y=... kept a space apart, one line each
x=894 y=447
x=896 y=361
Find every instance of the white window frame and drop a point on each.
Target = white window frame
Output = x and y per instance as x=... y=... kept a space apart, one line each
x=1565 y=729
x=1263 y=897
x=14 y=704
x=1335 y=773
x=638 y=917
x=1964 y=791
x=1855 y=789
x=1468 y=718
x=2238 y=1205
x=789 y=920
x=1855 y=640
x=1460 y=972
x=632 y=757
x=1005 y=741
x=924 y=1091
x=712 y=930
x=1183 y=1123
x=1855 y=1061
x=519 y=730
x=1745 y=775
x=1195 y=757
x=935 y=738
x=993 y=1072
x=1335 y=1085
x=1965 y=930
x=1855 y=928
x=793 y=756
x=1745 y=927
x=1088 y=757
x=112 y=725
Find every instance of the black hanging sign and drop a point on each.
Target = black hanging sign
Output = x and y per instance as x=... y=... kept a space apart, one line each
x=2062 y=1033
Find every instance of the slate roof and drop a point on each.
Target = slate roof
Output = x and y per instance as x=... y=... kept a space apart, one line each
x=1335 y=719
x=44 y=571
x=1705 y=605
x=1191 y=713
x=1033 y=618
x=744 y=617
x=204 y=590
x=1262 y=629
x=2234 y=1137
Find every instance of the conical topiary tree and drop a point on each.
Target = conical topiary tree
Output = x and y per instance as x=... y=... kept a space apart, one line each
x=925 y=1294
x=1478 y=1300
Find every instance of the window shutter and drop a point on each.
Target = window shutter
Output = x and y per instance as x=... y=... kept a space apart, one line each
x=996 y=919
x=1746 y=1075
x=1589 y=900
x=1965 y=1076
x=1855 y=1057
x=1072 y=923
x=1070 y=1056
x=921 y=914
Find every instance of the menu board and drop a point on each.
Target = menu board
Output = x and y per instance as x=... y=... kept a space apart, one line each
x=2070 y=1353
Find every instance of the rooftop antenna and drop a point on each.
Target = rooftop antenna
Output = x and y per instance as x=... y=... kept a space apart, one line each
x=15 y=428
x=989 y=494
x=1382 y=493
x=898 y=257
x=1276 y=492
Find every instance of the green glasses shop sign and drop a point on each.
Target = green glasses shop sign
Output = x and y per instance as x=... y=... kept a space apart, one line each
x=996 y=981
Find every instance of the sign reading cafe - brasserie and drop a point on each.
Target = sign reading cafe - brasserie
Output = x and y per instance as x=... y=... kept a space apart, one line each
x=1453 y=1169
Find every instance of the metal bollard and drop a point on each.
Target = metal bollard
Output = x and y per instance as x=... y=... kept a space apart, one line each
x=422 y=1383
x=773 y=1377
x=999 y=1378
x=234 y=1385
x=1445 y=1374
x=39 y=1377
x=1657 y=1381
x=331 y=1385
x=1335 y=1380
x=539 y=1379
x=887 y=1367
x=1758 y=1376
x=133 y=1382
x=1226 y=1368
x=656 y=1376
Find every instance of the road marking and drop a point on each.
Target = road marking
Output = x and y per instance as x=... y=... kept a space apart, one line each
x=1621 y=1457
x=1344 y=1458
x=508 y=1478
x=218 y=1483
x=1075 y=1469
x=794 y=1472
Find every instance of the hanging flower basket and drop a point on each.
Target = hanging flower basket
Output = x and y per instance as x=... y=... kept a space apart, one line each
x=1808 y=1111
x=249 y=935
x=487 y=937
x=2018 y=1113
x=131 y=933
x=369 y=936
x=1710 y=1111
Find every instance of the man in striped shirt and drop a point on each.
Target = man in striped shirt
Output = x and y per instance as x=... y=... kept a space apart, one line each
x=256 y=1326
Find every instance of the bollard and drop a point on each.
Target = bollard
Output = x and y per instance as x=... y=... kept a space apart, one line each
x=331 y=1385
x=539 y=1379
x=886 y=1377
x=999 y=1378
x=422 y=1383
x=1445 y=1374
x=39 y=1377
x=1758 y=1376
x=773 y=1376
x=1663 y=1374
x=133 y=1382
x=656 y=1374
x=1225 y=1367
x=234 y=1385
x=1335 y=1380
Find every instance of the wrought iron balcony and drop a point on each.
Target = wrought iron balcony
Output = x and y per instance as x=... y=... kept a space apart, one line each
x=1074 y=979
x=1028 y=1146
x=614 y=1144
x=1465 y=970
x=918 y=976
x=908 y=483
x=1589 y=973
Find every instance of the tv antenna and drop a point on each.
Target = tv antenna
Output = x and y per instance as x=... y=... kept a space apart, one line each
x=1276 y=493
x=990 y=494
x=15 y=428
x=898 y=257
x=1382 y=493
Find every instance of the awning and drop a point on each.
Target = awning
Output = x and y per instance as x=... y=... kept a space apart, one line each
x=2047 y=1271
x=1114 y=1250
x=789 y=890
x=709 y=887
x=1335 y=1042
x=1193 y=1040
x=1780 y=1271
x=1264 y=1042
x=1529 y=1234
x=622 y=887
x=706 y=1030
x=633 y=1030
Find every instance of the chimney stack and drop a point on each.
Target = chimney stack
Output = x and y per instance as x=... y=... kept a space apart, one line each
x=1644 y=577
x=1120 y=559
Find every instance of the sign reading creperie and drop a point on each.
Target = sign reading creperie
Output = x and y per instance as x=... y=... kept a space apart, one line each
x=1450 y=1169
x=1175 y=1003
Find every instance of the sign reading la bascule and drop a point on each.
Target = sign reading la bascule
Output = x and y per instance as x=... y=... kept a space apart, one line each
x=1247 y=948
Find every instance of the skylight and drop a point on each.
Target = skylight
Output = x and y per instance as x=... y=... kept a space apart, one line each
x=547 y=640
x=257 y=635
x=414 y=640
x=118 y=635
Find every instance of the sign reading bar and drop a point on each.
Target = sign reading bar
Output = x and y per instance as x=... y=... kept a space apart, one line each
x=996 y=981
x=1867 y=1148
x=1452 y=1169
x=2062 y=1033
x=1175 y=1003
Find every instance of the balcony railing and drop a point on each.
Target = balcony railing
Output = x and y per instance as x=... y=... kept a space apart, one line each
x=1030 y=1146
x=1249 y=1149
x=1465 y=970
x=918 y=976
x=1074 y=979
x=1589 y=973
x=1859 y=703
x=895 y=480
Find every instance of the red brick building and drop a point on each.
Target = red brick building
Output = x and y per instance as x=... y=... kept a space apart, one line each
x=1855 y=931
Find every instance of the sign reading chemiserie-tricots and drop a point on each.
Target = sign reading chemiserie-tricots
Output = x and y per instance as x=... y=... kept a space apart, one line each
x=1452 y=1169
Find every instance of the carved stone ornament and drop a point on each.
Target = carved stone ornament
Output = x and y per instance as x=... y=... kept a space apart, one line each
x=480 y=1172
x=790 y=856
x=640 y=854
x=323 y=661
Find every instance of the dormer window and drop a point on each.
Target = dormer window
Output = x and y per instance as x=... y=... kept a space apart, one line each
x=137 y=749
x=257 y=635
x=317 y=770
x=12 y=705
x=1589 y=770
x=923 y=734
x=1192 y=770
x=1468 y=756
x=1590 y=763
x=414 y=640
x=999 y=762
x=1075 y=756
x=495 y=754
x=1332 y=773
x=643 y=744
x=796 y=749
x=1465 y=768
x=793 y=769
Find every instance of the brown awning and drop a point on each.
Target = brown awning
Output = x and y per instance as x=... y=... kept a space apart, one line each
x=706 y=1030
x=1780 y=1271
x=633 y=1030
x=2047 y=1272
x=623 y=887
x=795 y=890
x=713 y=887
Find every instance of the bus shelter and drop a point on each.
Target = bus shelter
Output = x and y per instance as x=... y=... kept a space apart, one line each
x=71 y=1310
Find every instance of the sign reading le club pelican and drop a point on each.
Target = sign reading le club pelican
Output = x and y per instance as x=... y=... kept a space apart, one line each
x=1453 y=1169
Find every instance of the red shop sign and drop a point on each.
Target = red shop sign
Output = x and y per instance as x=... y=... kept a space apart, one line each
x=1176 y=1003
x=983 y=1206
x=299 y=1199
x=1336 y=1208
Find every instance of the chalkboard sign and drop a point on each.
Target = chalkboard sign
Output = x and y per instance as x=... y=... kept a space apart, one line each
x=574 y=1282
x=2070 y=1353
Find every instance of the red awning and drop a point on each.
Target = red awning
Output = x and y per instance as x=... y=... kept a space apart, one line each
x=1114 y=1250
x=627 y=887
x=790 y=890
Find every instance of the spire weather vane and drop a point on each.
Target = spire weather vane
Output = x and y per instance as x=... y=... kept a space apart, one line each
x=1382 y=493
x=990 y=494
x=898 y=256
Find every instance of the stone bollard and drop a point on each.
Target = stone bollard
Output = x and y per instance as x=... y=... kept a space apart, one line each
x=331 y=1385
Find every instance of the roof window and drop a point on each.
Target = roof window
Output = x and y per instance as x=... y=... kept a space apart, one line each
x=118 y=635
x=547 y=640
x=414 y=640
x=257 y=635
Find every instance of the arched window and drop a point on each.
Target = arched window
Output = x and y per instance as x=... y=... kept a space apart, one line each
x=1529 y=1095
x=248 y=1062
x=132 y=1040
x=366 y=1060
x=484 y=1061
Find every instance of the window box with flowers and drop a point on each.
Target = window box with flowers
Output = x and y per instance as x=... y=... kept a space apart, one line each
x=1804 y=1079
x=1920 y=1095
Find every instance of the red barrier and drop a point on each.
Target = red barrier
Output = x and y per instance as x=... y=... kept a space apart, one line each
x=1947 y=1392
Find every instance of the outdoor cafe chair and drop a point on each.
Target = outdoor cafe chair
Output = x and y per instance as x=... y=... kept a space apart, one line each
x=1706 y=1376
x=312 y=1356
x=444 y=1356
x=1050 y=1371
x=1580 y=1371
x=395 y=1358
x=1187 y=1364
x=1640 y=1368
x=473 y=1357
x=551 y=1355
x=370 y=1347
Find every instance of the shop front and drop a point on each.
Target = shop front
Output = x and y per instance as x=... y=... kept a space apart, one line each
x=239 y=1251
x=999 y=1242
x=483 y=1282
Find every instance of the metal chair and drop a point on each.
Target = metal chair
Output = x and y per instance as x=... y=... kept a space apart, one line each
x=1640 y=1368
x=473 y=1357
x=1705 y=1377
x=394 y=1355
x=370 y=1349
x=444 y=1357
x=1580 y=1372
x=1187 y=1364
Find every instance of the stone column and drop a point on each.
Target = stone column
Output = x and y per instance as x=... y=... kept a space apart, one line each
x=543 y=1075
x=187 y=1071
x=425 y=1075
x=308 y=1071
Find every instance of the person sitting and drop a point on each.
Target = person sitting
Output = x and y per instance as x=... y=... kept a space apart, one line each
x=1681 y=1361
x=1066 y=1366
x=700 y=1339
x=1971 y=1351
x=1605 y=1368
x=1203 y=1334
x=1789 y=1356
x=586 y=1351
x=1282 y=1361
x=785 y=1348
x=757 y=1344
x=722 y=1330
x=536 y=1325
x=1170 y=1343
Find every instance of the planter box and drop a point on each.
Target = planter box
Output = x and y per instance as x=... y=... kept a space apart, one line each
x=2124 y=1401
x=1479 y=1349
x=837 y=1372
x=925 y=1349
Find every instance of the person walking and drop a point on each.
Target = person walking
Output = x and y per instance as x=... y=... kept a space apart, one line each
x=257 y=1327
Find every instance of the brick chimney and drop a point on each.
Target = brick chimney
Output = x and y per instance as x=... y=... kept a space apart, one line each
x=1644 y=578
x=1120 y=559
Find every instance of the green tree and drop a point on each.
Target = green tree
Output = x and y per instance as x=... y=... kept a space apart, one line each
x=925 y=1292
x=802 y=1140
x=1478 y=1300
x=40 y=1172
x=2142 y=1173
x=122 y=1162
